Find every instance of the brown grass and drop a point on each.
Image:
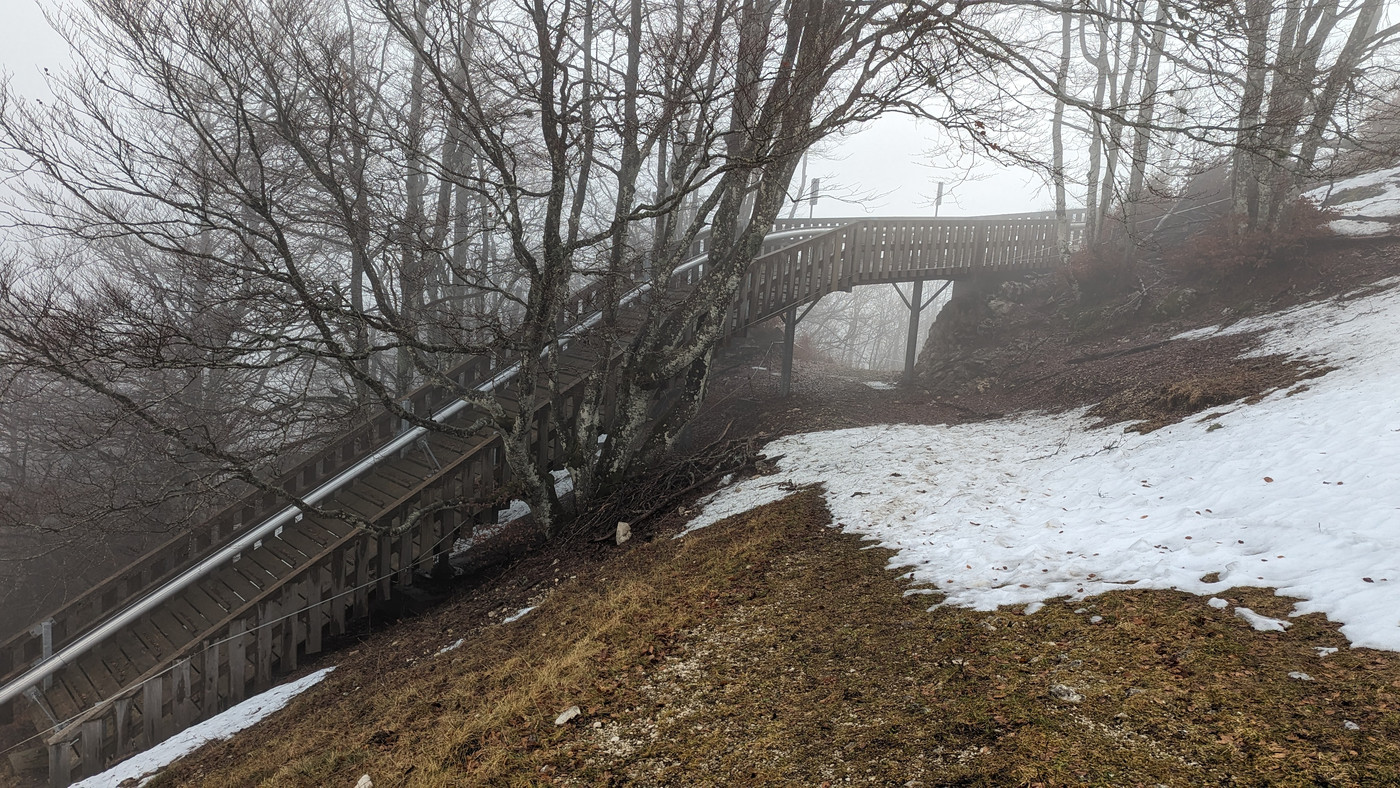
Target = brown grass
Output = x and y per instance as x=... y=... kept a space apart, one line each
x=770 y=650
x=1157 y=406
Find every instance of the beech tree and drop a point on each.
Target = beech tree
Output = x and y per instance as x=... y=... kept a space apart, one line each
x=307 y=208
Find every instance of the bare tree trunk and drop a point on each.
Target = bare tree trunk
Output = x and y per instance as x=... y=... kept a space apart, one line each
x=1057 y=166
x=1142 y=130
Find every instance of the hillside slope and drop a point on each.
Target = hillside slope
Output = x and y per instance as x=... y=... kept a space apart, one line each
x=772 y=649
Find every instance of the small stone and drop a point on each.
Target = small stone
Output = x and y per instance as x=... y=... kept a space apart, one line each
x=1065 y=693
x=1299 y=675
x=566 y=715
x=624 y=532
x=1096 y=619
x=1081 y=611
x=1351 y=726
x=365 y=782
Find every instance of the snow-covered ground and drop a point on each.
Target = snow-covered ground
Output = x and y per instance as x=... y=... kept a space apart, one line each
x=1375 y=213
x=1300 y=492
x=144 y=766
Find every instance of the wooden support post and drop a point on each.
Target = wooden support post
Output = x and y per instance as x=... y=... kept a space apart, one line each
x=90 y=746
x=61 y=764
x=362 y=577
x=315 y=611
x=209 y=697
x=789 y=339
x=916 y=305
x=237 y=663
x=182 y=704
x=121 y=710
x=386 y=566
x=406 y=558
x=338 y=596
x=152 y=711
x=291 y=626
x=262 y=670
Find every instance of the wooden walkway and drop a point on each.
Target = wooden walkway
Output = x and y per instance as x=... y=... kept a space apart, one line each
x=111 y=672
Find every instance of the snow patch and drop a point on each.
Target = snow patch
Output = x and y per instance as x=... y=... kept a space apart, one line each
x=1298 y=493
x=1262 y=623
x=1375 y=211
x=517 y=615
x=143 y=766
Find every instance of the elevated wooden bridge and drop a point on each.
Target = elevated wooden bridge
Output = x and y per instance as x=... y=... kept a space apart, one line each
x=220 y=611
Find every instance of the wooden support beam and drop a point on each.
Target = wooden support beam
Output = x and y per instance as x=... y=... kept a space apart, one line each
x=316 y=612
x=61 y=764
x=911 y=345
x=291 y=626
x=181 y=698
x=262 y=675
x=122 y=716
x=209 y=696
x=90 y=747
x=339 y=599
x=386 y=566
x=152 y=711
x=237 y=663
x=362 y=577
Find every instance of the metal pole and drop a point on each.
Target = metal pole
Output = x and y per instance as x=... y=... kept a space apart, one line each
x=789 y=339
x=916 y=305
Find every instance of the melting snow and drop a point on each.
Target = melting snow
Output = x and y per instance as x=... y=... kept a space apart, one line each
x=517 y=615
x=1262 y=623
x=143 y=766
x=1297 y=493
x=1375 y=214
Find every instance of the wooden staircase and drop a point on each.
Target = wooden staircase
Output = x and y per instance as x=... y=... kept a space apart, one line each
x=246 y=620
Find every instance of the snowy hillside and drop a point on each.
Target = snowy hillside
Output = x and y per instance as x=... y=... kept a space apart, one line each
x=1297 y=493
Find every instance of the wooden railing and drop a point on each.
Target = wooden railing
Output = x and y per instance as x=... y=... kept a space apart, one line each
x=189 y=546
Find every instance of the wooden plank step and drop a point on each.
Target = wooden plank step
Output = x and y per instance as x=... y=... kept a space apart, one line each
x=398 y=475
x=79 y=687
x=380 y=486
x=302 y=542
x=270 y=561
x=100 y=676
x=211 y=608
x=284 y=551
x=172 y=628
x=61 y=700
x=253 y=572
x=189 y=617
x=231 y=587
x=350 y=500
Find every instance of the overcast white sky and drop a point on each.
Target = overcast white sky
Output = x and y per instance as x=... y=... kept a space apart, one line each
x=886 y=169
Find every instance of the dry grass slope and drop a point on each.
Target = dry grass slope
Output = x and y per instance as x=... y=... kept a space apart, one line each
x=771 y=650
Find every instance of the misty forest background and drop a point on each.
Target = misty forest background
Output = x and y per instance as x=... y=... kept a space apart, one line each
x=239 y=228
